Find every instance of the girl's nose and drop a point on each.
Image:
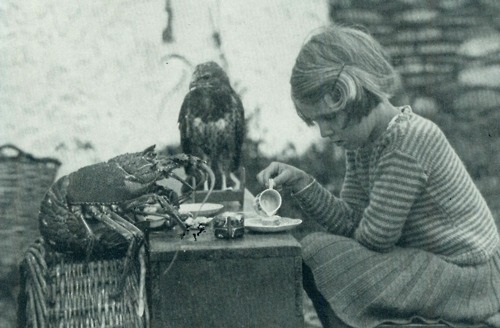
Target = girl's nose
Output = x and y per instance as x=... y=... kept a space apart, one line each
x=324 y=129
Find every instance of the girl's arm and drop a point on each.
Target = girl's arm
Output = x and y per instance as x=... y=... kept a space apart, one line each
x=376 y=221
x=338 y=215
x=399 y=180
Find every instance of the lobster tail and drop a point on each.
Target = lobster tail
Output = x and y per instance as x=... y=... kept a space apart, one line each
x=57 y=221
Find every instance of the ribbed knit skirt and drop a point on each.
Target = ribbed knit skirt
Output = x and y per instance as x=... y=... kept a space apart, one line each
x=366 y=288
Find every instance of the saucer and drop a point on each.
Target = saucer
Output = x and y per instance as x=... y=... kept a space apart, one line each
x=200 y=209
x=255 y=224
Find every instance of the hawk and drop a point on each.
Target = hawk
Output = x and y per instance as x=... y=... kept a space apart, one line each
x=212 y=122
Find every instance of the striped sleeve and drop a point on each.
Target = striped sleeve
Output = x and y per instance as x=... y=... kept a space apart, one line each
x=338 y=215
x=352 y=192
x=398 y=182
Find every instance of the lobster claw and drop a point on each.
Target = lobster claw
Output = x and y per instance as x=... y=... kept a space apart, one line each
x=168 y=164
x=207 y=174
x=181 y=180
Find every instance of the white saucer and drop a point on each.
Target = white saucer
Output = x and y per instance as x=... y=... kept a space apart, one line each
x=255 y=224
x=199 y=209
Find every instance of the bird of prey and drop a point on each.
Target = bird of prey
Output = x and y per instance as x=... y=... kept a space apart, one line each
x=212 y=122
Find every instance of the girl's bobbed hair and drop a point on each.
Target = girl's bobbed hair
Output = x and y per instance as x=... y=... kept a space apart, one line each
x=349 y=64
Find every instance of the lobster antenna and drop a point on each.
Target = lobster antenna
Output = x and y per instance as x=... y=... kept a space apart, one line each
x=212 y=185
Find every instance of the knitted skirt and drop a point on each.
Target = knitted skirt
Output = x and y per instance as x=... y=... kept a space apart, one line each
x=366 y=288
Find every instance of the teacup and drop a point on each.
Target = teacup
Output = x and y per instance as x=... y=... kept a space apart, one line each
x=267 y=202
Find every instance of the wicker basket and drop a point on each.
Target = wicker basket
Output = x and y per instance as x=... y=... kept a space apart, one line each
x=24 y=180
x=60 y=291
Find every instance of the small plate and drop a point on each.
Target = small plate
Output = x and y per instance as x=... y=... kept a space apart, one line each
x=199 y=209
x=255 y=224
x=154 y=221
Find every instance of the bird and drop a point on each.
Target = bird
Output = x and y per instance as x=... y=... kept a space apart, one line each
x=212 y=123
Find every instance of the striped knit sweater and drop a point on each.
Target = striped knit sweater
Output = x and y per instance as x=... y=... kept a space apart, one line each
x=409 y=189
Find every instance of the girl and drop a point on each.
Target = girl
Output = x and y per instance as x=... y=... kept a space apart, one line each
x=410 y=237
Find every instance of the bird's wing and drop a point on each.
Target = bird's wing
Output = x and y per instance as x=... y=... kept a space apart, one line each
x=239 y=130
x=185 y=124
x=195 y=122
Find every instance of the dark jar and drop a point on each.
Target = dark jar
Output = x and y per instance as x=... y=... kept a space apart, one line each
x=229 y=225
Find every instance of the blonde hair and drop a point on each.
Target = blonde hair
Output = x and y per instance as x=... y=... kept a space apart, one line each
x=349 y=64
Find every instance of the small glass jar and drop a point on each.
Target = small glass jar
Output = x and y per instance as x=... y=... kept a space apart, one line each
x=229 y=225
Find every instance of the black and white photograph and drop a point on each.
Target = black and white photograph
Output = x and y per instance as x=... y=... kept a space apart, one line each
x=250 y=164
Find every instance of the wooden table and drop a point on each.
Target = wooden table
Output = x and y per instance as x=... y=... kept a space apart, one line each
x=255 y=281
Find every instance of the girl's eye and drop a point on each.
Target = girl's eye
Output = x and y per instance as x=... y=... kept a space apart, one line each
x=329 y=117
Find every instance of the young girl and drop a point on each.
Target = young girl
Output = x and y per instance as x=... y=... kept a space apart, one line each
x=410 y=237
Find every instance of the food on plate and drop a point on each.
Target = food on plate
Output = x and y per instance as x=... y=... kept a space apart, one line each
x=199 y=220
x=271 y=220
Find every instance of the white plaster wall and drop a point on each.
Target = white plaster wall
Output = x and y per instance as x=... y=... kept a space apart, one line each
x=83 y=81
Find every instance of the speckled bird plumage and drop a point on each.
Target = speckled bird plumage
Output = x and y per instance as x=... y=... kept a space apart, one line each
x=212 y=121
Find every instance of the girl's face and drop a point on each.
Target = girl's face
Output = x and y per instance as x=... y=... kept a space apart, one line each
x=331 y=122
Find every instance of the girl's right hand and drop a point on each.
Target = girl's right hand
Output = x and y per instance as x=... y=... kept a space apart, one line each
x=284 y=175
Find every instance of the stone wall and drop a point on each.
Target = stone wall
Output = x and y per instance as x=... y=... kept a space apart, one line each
x=448 y=54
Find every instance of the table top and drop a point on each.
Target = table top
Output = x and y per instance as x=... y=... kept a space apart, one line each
x=164 y=245
x=204 y=245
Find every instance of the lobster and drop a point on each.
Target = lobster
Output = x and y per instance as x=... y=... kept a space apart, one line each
x=96 y=211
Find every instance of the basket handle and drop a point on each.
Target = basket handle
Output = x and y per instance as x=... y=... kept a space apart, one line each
x=9 y=151
x=12 y=151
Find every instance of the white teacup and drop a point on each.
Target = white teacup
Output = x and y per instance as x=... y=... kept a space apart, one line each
x=267 y=202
